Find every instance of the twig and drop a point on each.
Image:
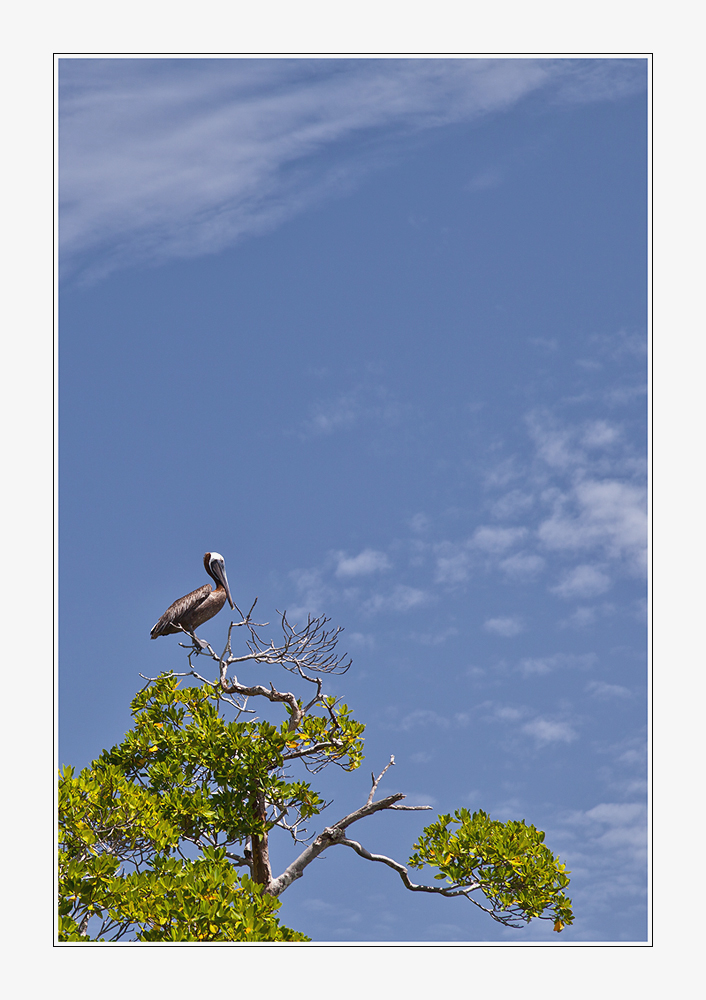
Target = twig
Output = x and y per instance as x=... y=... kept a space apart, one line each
x=376 y=781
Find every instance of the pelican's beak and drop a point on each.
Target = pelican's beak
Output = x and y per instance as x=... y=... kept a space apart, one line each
x=220 y=572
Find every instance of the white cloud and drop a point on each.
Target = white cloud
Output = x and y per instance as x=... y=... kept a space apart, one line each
x=548 y=344
x=453 y=562
x=502 y=473
x=559 y=661
x=605 y=848
x=434 y=638
x=509 y=714
x=494 y=540
x=599 y=689
x=582 y=581
x=600 y=434
x=177 y=158
x=333 y=914
x=625 y=815
x=581 y=617
x=361 y=639
x=402 y=598
x=313 y=593
x=419 y=523
x=511 y=505
x=367 y=561
x=504 y=626
x=422 y=718
x=545 y=731
x=362 y=403
x=555 y=444
x=625 y=394
x=607 y=514
x=522 y=566
x=484 y=180
x=584 y=616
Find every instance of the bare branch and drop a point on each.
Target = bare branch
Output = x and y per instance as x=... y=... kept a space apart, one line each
x=402 y=871
x=331 y=835
x=376 y=781
x=317 y=748
x=257 y=690
x=305 y=650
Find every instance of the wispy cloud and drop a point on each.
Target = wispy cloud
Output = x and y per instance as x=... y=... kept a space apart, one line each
x=490 y=539
x=454 y=560
x=580 y=491
x=599 y=689
x=615 y=825
x=522 y=566
x=484 y=181
x=572 y=516
x=512 y=504
x=582 y=581
x=504 y=626
x=583 y=616
x=313 y=593
x=604 y=514
x=559 y=661
x=547 y=731
x=179 y=157
x=345 y=411
x=424 y=718
x=541 y=729
x=367 y=561
x=401 y=598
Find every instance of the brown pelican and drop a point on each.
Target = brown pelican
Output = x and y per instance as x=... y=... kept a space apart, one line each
x=197 y=607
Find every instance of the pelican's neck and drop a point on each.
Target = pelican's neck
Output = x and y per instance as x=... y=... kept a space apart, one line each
x=219 y=585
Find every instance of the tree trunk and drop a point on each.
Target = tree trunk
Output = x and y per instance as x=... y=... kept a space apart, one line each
x=261 y=871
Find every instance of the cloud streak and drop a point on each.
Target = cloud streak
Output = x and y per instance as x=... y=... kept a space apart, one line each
x=366 y=562
x=504 y=626
x=175 y=158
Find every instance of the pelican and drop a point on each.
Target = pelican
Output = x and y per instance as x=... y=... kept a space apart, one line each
x=197 y=607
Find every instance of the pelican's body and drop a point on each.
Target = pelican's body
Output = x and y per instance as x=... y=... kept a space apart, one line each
x=189 y=612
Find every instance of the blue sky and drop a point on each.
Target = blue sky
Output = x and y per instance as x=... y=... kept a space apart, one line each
x=374 y=330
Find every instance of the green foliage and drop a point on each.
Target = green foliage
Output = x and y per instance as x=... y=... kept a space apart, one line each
x=171 y=900
x=183 y=775
x=508 y=862
x=345 y=737
x=154 y=832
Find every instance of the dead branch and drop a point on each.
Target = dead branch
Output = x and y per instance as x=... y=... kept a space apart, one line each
x=306 y=651
x=449 y=891
x=376 y=781
x=258 y=691
x=336 y=834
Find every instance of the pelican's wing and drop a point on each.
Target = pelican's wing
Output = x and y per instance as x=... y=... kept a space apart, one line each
x=165 y=625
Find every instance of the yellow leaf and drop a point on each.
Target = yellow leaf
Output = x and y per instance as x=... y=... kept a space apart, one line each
x=558 y=926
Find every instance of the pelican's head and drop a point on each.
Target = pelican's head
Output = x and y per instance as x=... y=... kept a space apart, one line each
x=216 y=567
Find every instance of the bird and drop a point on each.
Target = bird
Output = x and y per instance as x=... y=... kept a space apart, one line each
x=189 y=612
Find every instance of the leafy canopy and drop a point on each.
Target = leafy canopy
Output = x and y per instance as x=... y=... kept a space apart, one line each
x=183 y=778
x=152 y=834
x=508 y=862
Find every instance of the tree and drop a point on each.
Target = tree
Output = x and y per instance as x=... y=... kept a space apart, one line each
x=165 y=836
